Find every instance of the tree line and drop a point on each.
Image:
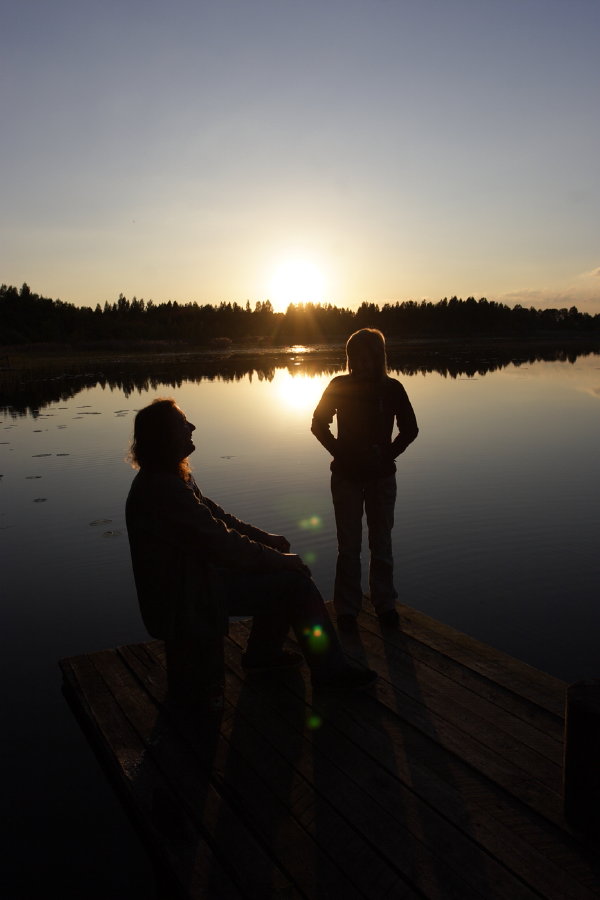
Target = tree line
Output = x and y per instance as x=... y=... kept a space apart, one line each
x=27 y=317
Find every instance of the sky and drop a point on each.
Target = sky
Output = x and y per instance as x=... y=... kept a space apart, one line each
x=335 y=151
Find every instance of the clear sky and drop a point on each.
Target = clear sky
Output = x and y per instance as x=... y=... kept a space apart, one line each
x=327 y=150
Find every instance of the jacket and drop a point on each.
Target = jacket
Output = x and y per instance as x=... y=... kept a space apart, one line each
x=180 y=542
x=366 y=413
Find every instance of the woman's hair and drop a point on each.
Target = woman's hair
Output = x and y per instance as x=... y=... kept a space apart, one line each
x=370 y=343
x=153 y=445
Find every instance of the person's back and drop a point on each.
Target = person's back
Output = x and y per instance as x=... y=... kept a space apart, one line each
x=177 y=586
x=365 y=412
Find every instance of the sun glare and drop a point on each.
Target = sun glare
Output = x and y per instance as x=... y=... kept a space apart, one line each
x=298 y=392
x=296 y=281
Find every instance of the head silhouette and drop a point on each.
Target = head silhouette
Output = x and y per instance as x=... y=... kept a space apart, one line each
x=162 y=438
x=365 y=354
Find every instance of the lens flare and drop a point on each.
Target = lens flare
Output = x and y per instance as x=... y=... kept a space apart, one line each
x=310 y=557
x=316 y=639
x=313 y=721
x=312 y=523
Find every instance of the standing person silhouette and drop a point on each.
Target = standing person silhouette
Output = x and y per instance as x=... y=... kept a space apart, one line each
x=367 y=403
x=195 y=565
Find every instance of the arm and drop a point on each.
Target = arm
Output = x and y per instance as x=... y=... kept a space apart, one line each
x=322 y=419
x=181 y=517
x=406 y=421
x=276 y=541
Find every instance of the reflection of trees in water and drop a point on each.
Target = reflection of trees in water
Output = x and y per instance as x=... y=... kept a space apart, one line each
x=22 y=393
x=480 y=362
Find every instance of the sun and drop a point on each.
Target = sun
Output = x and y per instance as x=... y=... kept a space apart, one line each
x=296 y=280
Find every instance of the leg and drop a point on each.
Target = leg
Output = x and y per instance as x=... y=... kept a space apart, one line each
x=276 y=601
x=348 y=507
x=195 y=671
x=380 y=500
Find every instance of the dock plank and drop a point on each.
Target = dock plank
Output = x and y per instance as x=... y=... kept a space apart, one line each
x=273 y=798
x=540 y=688
x=232 y=842
x=431 y=852
x=517 y=741
x=549 y=857
x=546 y=727
x=175 y=841
x=443 y=781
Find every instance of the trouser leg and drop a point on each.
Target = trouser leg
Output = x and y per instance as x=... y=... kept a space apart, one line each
x=195 y=668
x=276 y=601
x=380 y=501
x=348 y=501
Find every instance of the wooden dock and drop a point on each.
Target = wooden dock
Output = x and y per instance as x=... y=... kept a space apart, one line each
x=442 y=781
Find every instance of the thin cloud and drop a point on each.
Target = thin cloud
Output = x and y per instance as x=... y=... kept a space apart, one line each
x=583 y=292
x=541 y=298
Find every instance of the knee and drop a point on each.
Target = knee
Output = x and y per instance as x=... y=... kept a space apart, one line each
x=298 y=583
x=349 y=552
x=380 y=543
x=382 y=567
x=301 y=588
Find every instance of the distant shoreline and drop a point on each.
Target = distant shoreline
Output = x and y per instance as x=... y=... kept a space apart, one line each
x=33 y=376
x=31 y=357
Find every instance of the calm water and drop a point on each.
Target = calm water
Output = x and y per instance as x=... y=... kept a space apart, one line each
x=498 y=519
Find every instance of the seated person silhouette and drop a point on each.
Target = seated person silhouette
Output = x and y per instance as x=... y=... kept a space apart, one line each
x=195 y=565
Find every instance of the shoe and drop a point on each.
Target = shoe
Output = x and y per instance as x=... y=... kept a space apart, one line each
x=351 y=678
x=282 y=660
x=389 y=619
x=347 y=624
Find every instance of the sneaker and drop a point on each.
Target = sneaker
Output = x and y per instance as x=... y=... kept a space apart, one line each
x=347 y=624
x=351 y=678
x=389 y=619
x=283 y=659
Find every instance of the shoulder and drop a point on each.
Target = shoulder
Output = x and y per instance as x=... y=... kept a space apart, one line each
x=158 y=484
x=394 y=388
x=392 y=384
x=152 y=477
x=341 y=384
x=338 y=382
x=335 y=388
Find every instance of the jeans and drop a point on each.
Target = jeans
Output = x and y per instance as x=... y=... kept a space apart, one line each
x=377 y=497
x=276 y=601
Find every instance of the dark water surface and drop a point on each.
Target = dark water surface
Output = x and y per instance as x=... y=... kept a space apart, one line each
x=498 y=519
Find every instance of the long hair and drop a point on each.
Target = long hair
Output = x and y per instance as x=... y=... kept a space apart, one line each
x=153 y=446
x=367 y=342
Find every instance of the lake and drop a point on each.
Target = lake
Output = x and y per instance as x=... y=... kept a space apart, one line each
x=497 y=525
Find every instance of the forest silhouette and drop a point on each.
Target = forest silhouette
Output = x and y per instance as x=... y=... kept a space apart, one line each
x=28 y=318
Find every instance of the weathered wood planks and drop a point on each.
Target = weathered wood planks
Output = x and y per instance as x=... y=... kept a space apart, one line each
x=444 y=781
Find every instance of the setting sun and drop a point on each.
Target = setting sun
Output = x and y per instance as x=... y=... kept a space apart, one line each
x=296 y=281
